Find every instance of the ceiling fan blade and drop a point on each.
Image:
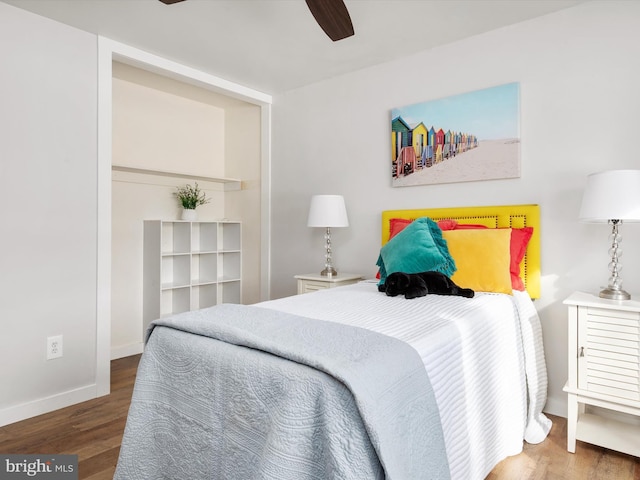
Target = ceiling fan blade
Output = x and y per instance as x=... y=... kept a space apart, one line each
x=170 y=2
x=333 y=17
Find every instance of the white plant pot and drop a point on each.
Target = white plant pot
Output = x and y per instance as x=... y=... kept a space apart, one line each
x=189 y=215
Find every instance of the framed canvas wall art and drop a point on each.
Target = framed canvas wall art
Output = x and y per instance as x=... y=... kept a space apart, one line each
x=462 y=138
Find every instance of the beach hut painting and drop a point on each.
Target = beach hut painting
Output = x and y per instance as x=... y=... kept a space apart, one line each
x=462 y=138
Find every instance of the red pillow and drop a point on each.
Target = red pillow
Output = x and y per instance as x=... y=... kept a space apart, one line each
x=447 y=224
x=519 y=240
x=396 y=225
x=450 y=224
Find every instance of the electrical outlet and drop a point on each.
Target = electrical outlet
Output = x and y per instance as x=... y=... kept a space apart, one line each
x=54 y=347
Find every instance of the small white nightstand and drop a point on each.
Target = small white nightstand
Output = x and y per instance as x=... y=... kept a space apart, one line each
x=604 y=371
x=310 y=282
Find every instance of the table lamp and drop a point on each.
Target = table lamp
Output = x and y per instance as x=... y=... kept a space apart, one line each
x=612 y=196
x=327 y=211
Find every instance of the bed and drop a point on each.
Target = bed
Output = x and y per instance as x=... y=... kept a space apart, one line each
x=348 y=382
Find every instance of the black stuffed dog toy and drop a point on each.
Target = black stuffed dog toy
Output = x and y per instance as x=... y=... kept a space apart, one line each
x=414 y=285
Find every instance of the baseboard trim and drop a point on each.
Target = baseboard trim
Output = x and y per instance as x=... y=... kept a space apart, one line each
x=47 y=404
x=126 y=350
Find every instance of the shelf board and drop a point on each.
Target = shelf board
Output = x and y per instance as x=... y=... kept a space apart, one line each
x=229 y=280
x=162 y=173
x=609 y=433
x=197 y=282
x=175 y=285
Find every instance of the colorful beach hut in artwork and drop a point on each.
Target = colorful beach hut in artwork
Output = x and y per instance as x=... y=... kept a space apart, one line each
x=419 y=135
x=400 y=137
x=439 y=146
x=406 y=163
x=449 y=144
x=403 y=153
x=430 y=152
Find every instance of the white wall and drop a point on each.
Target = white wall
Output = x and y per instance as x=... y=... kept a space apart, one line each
x=242 y=156
x=579 y=114
x=48 y=158
x=156 y=125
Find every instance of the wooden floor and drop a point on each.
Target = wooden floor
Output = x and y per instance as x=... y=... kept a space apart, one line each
x=93 y=431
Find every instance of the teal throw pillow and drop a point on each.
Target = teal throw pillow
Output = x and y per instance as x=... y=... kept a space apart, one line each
x=419 y=247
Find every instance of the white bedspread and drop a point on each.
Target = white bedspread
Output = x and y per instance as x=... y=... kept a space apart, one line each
x=484 y=357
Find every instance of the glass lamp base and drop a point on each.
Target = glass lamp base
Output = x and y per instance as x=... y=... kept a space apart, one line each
x=614 y=290
x=613 y=294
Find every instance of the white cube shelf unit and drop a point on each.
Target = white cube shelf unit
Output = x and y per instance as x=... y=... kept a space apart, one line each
x=190 y=265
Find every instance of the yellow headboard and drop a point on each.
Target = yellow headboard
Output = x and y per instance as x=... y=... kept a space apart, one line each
x=505 y=216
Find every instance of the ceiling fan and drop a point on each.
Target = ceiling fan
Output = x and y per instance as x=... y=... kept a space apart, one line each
x=332 y=16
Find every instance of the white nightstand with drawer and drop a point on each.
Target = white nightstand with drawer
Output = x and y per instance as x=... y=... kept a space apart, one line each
x=310 y=282
x=604 y=371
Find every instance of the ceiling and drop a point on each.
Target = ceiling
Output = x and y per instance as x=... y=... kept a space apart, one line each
x=275 y=45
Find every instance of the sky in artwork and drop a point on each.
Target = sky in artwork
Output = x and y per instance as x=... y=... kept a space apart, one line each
x=489 y=114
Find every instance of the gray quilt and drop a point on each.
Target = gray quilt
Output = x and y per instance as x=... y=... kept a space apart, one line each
x=239 y=392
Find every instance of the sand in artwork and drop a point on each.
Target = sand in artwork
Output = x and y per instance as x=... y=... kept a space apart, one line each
x=491 y=157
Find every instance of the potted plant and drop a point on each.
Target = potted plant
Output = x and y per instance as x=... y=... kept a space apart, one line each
x=191 y=197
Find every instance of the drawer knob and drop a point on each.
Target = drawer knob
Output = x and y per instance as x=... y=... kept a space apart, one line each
x=581 y=352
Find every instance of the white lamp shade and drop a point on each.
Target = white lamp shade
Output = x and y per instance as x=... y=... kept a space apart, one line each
x=612 y=195
x=327 y=211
